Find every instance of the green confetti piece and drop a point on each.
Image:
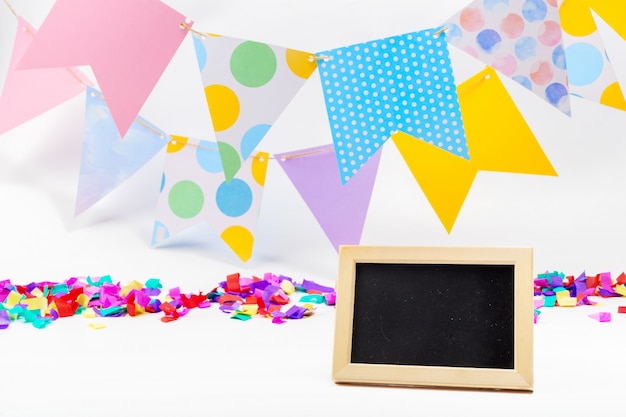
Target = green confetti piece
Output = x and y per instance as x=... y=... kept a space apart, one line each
x=30 y=316
x=242 y=317
x=313 y=298
x=42 y=322
x=111 y=310
x=59 y=288
x=106 y=279
x=153 y=283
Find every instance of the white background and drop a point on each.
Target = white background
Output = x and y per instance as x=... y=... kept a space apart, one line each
x=207 y=364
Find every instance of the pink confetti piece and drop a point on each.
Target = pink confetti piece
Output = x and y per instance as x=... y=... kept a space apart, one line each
x=602 y=317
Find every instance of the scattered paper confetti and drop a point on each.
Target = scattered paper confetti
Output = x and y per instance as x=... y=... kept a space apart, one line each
x=556 y=289
x=41 y=303
x=271 y=296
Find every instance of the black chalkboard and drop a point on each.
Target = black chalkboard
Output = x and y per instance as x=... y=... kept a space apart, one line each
x=452 y=315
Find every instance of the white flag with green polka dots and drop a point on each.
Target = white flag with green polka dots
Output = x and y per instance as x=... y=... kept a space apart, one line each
x=247 y=86
x=403 y=83
x=193 y=190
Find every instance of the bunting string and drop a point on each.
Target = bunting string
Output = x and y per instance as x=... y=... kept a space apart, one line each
x=11 y=9
x=398 y=88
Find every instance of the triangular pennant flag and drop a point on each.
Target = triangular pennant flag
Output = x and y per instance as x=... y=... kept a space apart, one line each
x=498 y=138
x=498 y=135
x=589 y=70
x=612 y=12
x=519 y=38
x=29 y=93
x=107 y=159
x=193 y=190
x=444 y=178
x=339 y=209
x=128 y=45
x=402 y=83
x=247 y=86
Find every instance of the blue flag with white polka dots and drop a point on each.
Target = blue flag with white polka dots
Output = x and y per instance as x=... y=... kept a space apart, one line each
x=403 y=83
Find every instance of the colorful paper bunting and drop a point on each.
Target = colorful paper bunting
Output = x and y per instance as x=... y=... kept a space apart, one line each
x=498 y=137
x=29 y=93
x=339 y=209
x=519 y=38
x=589 y=70
x=403 y=83
x=247 y=85
x=107 y=159
x=194 y=190
x=127 y=44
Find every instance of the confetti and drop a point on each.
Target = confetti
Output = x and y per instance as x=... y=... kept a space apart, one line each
x=271 y=296
x=42 y=303
x=555 y=289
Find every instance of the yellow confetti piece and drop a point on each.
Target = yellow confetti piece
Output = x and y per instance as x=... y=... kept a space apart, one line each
x=37 y=292
x=126 y=289
x=89 y=313
x=287 y=286
x=561 y=295
x=35 y=303
x=13 y=299
x=620 y=289
x=249 y=309
x=97 y=326
x=83 y=300
x=567 y=302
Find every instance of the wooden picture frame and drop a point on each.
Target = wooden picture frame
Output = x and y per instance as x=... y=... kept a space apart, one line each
x=394 y=304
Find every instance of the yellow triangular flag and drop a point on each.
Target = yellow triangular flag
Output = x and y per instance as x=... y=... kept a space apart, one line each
x=498 y=137
x=444 y=177
x=612 y=12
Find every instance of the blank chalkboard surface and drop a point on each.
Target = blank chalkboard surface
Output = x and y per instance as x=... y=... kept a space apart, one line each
x=459 y=317
x=436 y=315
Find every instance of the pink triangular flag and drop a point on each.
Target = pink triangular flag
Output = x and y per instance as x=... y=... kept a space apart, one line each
x=29 y=93
x=339 y=209
x=128 y=45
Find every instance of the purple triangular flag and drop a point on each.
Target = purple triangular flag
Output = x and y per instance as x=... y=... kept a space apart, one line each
x=339 y=209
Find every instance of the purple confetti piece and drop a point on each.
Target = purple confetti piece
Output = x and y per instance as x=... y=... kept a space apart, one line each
x=556 y=281
x=311 y=285
x=4 y=320
x=296 y=312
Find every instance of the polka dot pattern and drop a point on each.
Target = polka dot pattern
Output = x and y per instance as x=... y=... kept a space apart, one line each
x=521 y=39
x=194 y=190
x=401 y=83
x=248 y=85
x=591 y=74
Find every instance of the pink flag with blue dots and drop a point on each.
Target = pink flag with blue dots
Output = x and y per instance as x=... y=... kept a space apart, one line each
x=402 y=83
x=521 y=39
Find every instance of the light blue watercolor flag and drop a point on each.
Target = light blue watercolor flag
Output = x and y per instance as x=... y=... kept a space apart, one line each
x=108 y=159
